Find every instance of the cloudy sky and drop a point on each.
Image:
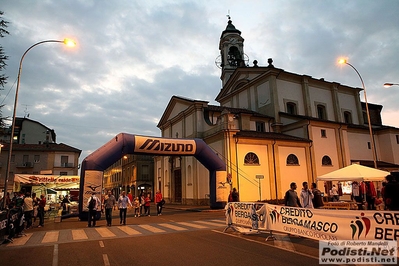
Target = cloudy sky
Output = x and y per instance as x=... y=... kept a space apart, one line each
x=132 y=56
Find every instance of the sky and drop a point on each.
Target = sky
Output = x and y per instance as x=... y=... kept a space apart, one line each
x=132 y=56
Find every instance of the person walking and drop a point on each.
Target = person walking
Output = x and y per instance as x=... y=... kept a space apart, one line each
x=158 y=202
x=35 y=202
x=136 y=205
x=93 y=204
x=142 y=202
x=28 y=209
x=317 y=199
x=42 y=205
x=109 y=204
x=306 y=196
x=147 y=204
x=123 y=203
x=291 y=197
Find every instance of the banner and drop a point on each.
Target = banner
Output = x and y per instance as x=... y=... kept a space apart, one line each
x=46 y=179
x=318 y=224
x=93 y=184
x=164 y=146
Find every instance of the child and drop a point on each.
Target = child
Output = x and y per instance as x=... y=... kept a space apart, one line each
x=136 y=205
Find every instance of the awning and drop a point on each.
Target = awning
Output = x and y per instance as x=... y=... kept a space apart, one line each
x=355 y=172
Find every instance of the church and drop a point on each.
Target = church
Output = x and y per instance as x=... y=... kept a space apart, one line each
x=271 y=128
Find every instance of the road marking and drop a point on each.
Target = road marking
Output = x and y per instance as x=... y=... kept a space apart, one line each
x=79 y=234
x=265 y=244
x=174 y=227
x=209 y=223
x=51 y=237
x=101 y=243
x=20 y=241
x=193 y=225
x=105 y=232
x=151 y=228
x=55 y=255
x=219 y=221
x=283 y=241
x=128 y=230
x=105 y=259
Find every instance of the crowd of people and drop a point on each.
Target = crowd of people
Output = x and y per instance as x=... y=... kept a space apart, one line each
x=141 y=206
x=364 y=193
x=23 y=210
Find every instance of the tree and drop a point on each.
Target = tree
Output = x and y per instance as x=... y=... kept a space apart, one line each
x=3 y=58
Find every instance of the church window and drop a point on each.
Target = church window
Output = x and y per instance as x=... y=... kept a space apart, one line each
x=260 y=126
x=234 y=56
x=251 y=159
x=292 y=160
x=321 y=112
x=291 y=108
x=326 y=160
x=348 y=117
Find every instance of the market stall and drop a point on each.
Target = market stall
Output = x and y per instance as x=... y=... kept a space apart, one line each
x=354 y=175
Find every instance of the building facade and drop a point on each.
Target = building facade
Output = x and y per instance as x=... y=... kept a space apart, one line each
x=132 y=173
x=272 y=128
x=35 y=152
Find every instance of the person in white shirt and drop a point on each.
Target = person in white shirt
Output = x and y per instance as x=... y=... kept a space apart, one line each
x=306 y=196
x=123 y=203
x=93 y=208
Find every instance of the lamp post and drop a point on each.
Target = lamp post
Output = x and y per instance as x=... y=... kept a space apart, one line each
x=344 y=61
x=67 y=42
x=387 y=84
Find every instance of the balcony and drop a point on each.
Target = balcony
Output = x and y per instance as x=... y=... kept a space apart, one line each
x=25 y=165
x=65 y=165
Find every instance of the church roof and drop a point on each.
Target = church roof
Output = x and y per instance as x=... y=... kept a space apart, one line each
x=230 y=29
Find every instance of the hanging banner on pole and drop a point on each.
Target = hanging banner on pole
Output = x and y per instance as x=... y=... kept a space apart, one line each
x=93 y=184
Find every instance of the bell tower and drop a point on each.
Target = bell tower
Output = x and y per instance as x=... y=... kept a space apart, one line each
x=231 y=48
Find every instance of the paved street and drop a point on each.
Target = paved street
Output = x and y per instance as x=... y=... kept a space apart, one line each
x=178 y=237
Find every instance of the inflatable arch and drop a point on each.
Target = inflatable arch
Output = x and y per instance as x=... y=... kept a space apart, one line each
x=93 y=165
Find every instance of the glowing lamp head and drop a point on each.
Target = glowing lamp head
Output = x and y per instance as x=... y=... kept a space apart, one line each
x=69 y=42
x=342 y=61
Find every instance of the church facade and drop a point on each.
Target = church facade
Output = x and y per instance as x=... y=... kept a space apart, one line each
x=272 y=128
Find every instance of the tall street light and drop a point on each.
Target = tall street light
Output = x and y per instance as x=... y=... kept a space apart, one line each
x=344 y=61
x=387 y=84
x=67 y=42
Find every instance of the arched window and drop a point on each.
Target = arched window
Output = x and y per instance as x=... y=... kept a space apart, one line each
x=291 y=108
x=292 y=160
x=251 y=158
x=326 y=160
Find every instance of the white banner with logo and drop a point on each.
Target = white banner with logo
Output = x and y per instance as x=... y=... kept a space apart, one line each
x=93 y=184
x=318 y=224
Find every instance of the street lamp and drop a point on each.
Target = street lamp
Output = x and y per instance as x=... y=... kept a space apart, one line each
x=67 y=42
x=387 y=84
x=344 y=61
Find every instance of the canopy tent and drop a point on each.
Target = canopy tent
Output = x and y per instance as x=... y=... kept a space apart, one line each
x=354 y=172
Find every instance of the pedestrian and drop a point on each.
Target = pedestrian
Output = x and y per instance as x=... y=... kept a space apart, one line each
x=94 y=204
x=42 y=205
x=136 y=205
x=65 y=204
x=123 y=203
x=35 y=201
x=147 y=204
x=334 y=193
x=306 y=196
x=291 y=197
x=28 y=210
x=317 y=199
x=158 y=202
x=235 y=196
x=371 y=194
x=391 y=193
x=109 y=204
x=142 y=202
